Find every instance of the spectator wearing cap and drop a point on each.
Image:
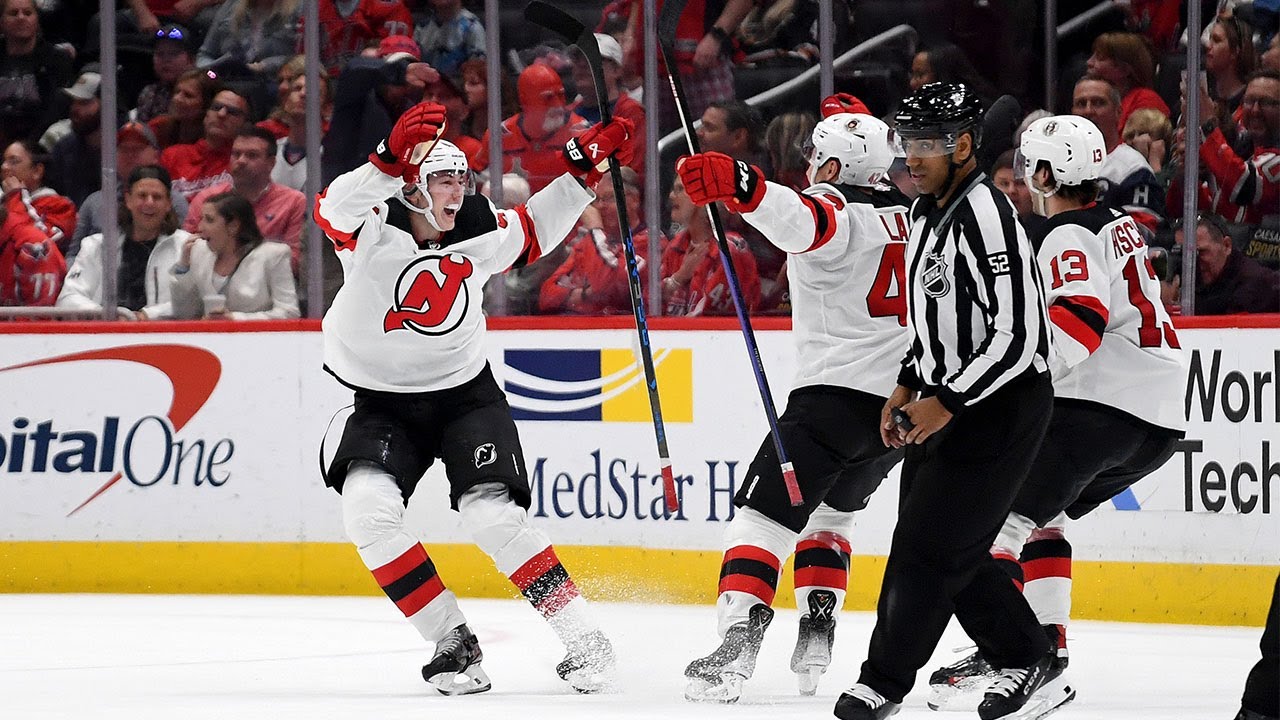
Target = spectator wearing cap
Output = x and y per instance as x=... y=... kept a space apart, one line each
x=535 y=137
x=620 y=103
x=278 y=209
x=449 y=35
x=173 y=55
x=1228 y=281
x=370 y=95
x=31 y=71
x=257 y=36
x=198 y=165
x=136 y=145
x=184 y=122
x=446 y=91
x=347 y=27
x=74 y=160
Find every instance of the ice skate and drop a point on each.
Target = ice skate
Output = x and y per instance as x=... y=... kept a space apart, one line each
x=813 y=644
x=862 y=703
x=589 y=666
x=718 y=677
x=1027 y=693
x=1058 y=643
x=455 y=669
x=960 y=685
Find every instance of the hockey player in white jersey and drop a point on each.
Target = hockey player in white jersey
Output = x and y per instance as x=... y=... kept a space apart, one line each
x=406 y=333
x=1117 y=376
x=846 y=236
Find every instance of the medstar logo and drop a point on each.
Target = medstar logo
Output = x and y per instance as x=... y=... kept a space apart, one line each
x=144 y=450
x=431 y=295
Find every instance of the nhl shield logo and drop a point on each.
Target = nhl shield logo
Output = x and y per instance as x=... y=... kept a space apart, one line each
x=934 y=276
x=431 y=295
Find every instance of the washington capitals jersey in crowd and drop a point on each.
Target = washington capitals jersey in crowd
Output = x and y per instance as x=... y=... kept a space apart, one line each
x=1113 y=341
x=846 y=272
x=1130 y=185
x=408 y=318
x=976 y=309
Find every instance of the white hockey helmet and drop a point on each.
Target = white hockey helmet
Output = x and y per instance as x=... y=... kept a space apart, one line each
x=1072 y=145
x=445 y=157
x=863 y=144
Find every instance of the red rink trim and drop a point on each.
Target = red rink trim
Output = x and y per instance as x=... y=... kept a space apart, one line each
x=751 y=552
x=822 y=577
x=413 y=602
x=534 y=568
x=1054 y=567
x=750 y=585
x=396 y=569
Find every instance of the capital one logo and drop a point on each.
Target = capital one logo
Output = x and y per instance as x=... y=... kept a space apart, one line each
x=431 y=295
x=39 y=446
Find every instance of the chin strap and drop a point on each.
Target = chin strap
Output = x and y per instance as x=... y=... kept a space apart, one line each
x=424 y=212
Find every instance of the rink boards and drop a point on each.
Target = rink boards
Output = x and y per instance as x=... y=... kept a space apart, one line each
x=174 y=459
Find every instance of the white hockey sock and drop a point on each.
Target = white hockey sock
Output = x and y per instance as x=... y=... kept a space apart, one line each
x=755 y=548
x=525 y=555
x=1046 y=572
x=822 y=556
x=373 y=513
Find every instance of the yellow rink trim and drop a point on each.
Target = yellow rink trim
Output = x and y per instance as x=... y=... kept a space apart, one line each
x=1133 y=592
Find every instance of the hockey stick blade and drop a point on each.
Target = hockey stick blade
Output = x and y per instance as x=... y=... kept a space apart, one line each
x=668 y=21
x=574 y=32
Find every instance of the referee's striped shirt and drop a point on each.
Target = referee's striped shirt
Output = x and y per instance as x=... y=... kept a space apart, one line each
x=976 y=310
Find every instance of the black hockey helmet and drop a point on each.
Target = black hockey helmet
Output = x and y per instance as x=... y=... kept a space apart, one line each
x=940 y=110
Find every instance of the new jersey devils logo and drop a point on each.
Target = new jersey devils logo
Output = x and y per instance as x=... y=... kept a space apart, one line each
x=431 y=295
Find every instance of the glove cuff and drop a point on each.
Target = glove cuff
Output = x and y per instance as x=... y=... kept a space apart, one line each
x=748 y=190
x=386 y=161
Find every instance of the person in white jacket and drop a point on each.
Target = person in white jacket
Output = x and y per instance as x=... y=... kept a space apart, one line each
x=147 y=247
x=229 y=272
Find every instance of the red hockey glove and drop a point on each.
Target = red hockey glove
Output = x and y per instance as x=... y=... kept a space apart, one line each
x=586 y=155
x=422 y=123
x=716 y=177
x=843 y=103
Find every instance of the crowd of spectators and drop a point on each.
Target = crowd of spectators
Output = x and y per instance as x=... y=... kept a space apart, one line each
x=212 y=158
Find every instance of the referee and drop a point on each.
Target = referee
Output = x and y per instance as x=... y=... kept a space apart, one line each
x=977 y=361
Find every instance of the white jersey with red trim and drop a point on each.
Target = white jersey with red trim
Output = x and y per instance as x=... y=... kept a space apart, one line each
x=408 y=318
x=846 y=270
x=1113 y=341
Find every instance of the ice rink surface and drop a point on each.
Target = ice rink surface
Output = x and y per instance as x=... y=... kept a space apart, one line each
x=129 y=657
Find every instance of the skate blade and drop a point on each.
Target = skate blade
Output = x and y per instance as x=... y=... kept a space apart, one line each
x=963 y=696
x=808 y=677
x=468 y=682
x=591 y=682
x=1046 y=701
x=727 y=689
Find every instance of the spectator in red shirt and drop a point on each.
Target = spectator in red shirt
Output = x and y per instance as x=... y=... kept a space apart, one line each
x=693 y=278
x=37 y=225
x=184 y=122
x=593 y=280
x=536 y=135
x=278 y=209
x=1126 y=61
x=347 y=28
x=1243 y=184
x=620 y=103
x=203 y=163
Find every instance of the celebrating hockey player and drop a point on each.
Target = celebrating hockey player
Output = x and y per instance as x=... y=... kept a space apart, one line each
x=847 y=236
x=406 y=333
x=1117 y=375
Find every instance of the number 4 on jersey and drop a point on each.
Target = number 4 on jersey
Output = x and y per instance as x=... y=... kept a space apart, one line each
x=887 y=297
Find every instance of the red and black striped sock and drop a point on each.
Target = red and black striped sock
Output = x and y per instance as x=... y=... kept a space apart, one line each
x=545 y=583
x=1046 y=567
x=410 y=580
x=751 y=570
x=822 y=563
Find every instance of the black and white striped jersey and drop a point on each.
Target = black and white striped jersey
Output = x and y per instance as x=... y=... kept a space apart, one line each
x=976 y=307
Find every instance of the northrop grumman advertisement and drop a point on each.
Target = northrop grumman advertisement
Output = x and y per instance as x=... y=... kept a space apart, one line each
x=217 y=437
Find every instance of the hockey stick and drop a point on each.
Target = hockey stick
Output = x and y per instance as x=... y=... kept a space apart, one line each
x=668 y=19
x=568 y=27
